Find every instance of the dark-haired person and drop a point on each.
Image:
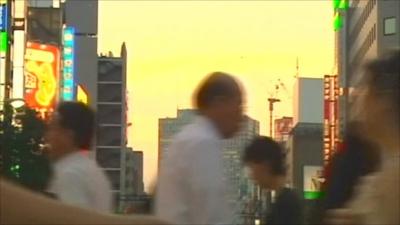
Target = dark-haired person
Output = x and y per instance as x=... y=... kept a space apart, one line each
x=77 y=179
x=266 y=161
x=191 y=187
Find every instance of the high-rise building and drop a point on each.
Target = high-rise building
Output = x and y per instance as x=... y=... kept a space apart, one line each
x=168 y=127
x=133 y=178
x=364 y=30
x=137 y=159
x=242 y=189
x=111 y=107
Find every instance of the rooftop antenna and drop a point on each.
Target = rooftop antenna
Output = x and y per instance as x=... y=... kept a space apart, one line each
x=297 y=67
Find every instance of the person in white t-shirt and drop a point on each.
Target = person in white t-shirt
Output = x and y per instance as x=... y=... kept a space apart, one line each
x=191 y=186
x=77 y=179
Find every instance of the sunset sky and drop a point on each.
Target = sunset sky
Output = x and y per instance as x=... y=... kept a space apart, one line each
x=172 y=45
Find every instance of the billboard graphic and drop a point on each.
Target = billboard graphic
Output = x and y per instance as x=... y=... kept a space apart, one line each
x=283 y=126
x=313 y=180
x=42 y=63
x=68 y=92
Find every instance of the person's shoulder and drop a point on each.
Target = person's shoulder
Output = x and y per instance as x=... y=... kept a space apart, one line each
x=193 y=134
x=83 y=166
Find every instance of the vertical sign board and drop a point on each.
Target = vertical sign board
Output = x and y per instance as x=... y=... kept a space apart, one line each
x=331 y=122
x=3 y=27
x=68 y=91
x=41 y=77
x=3 y=45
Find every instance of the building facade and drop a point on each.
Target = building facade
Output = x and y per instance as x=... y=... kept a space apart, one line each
x=305 y=145
x=308 y=100
x=111 y=107
x=82 y=16
x=133 y=179
x=364 y=30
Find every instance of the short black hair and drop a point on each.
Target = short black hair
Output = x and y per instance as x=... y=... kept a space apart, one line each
x=217 y=84
x=265 y=150
x=80 y=119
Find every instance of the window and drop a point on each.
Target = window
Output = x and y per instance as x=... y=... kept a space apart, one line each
x=389 y=26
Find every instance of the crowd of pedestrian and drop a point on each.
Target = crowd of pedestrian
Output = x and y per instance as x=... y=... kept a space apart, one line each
x=362 y=183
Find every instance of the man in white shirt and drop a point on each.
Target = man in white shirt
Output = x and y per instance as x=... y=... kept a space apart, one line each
x=77 y=179
x=192 y=188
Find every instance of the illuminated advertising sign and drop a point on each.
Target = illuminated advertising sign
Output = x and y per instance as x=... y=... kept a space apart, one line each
x=81 y=95
x=3 y=17
x=68 y=65
x=42 y=63
x=338 y=6
x=3 y=28
x=331 y=111
x=3 y=45
x=313 y=179
x=341 y=4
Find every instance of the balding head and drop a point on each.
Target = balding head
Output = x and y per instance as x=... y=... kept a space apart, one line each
x=219 y=97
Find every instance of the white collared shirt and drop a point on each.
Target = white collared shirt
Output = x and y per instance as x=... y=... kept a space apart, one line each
x=192 y=188
x=79 y=181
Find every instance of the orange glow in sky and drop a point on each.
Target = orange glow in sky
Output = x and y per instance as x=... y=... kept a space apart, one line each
x=172 y=45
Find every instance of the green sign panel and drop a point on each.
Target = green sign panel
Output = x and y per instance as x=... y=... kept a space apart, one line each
x=337 y=21
x=312 y=195
x=3 y=42
x=341 y=4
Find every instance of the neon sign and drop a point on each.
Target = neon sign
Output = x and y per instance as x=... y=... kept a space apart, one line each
x=41 y=76
x=68 y=92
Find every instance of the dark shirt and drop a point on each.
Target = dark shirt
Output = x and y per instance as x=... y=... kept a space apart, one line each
x=287 y=209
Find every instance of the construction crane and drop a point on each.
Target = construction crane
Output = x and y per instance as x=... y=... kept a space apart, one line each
x=274 y=99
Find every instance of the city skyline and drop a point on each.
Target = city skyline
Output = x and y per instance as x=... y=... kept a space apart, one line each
x=173 y=45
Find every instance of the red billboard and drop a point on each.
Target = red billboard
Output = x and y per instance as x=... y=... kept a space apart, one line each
x=42 y=69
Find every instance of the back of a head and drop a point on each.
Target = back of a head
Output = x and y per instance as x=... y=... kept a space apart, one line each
x=80 y=119
x=216 y=85
x=265 y=150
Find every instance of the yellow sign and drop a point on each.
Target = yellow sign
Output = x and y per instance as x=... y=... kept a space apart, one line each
x=81 y=95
